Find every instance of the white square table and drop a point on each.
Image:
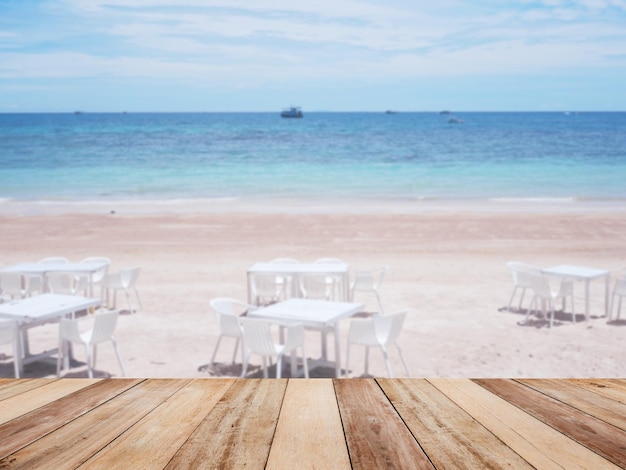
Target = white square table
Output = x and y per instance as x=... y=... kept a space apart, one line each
x=42 y=269
x=581 y=273
x=341 y=270
x=39 y=310
x=312 y=313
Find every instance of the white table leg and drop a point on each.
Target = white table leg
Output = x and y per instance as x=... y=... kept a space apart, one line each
x=607 y=288
x=587 y=299
x=337 y=353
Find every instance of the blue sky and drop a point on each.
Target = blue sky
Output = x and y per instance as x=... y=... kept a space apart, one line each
x=335 y=55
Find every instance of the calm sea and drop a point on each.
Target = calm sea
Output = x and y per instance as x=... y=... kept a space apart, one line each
x=321 y=157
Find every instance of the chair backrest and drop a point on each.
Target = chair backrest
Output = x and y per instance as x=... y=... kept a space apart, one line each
x=540 y=285
x=369 y=280
x=266 y=286
x=12 y=284
x=314 y=286
x=102 y=324
x=99 y=274
x=129 y=276
x=521 y=271
x=388 y=327
x=227 y=312
x=377 y=330
x=66 y=282
x=257 y=336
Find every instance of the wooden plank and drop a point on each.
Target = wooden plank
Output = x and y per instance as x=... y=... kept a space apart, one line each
x=12 y=387
x=450 y=437
x=375 y=433
x=615 y=389
x=152 y=442
x=238 y=432
x=77 y=441
x=604 y=439
x=34 y=398
x=539 y=444
x=31 y=426
x=583 y=399
x=309 y=433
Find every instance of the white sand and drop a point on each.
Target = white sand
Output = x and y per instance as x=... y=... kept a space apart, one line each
x=447 y=265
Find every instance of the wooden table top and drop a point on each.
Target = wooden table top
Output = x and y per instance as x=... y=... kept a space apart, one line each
x=315 y=423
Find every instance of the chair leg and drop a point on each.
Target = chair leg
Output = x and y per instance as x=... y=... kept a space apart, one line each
x=512 y=297
x=347 y=374
x=217 y=345
x=279 y=365
x=88 y=356
x=119 y=359
x=521 y=299
x=386 y=356
x=406 y=369
x=367 y=355
x=305 y=363
x=264 y=367
x=380 y=305
x=235 y=351
x=138 y=298
x=244 y=366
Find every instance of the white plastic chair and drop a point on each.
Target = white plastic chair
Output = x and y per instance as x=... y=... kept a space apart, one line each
x=124 y=280
x=380 y=331
x=334 y=282
x=521 y=280
x=38 y=283
x=13 y=285
x=268 y=288
x=8 y=335
x=543 y=291
x=369 y=281
x=67 y=283
x=258 y=339
x=619 y=290
x=228 y=312
x=102 y=329
x=100 y=274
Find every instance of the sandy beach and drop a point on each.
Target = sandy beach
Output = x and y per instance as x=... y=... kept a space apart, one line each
x=447 y=266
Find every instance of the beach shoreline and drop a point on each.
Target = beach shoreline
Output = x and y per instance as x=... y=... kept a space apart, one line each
x=447 y=267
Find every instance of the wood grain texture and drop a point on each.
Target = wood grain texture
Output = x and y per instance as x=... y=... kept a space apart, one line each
x=309 y=433
x=76 y=442
x=585 y=429
x=12 y=387
x=153 y=441
x=583 y=399
x=375 y=434
x=37 y=397
x=614 y=389
x=29 y=427
x=449 y=436
x=539 y=444
x=238 y=431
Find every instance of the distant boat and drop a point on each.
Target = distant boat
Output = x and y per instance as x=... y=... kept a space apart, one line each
x=292 y=112
x=455 y=120
x=389 y=111
x=445 y=112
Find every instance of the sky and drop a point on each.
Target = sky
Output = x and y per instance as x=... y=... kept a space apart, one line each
x=322 y=55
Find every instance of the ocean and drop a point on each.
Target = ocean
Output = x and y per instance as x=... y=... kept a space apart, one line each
x=377 y=158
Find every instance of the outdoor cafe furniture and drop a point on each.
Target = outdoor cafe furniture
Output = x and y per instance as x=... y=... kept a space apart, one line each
x=102 y=330
x=292 y=271
x=258 y=338
x=40 y=270
x=581 y=273
x=380 y=331
x=311 y=313
x=544 y=292
x=618 y=291
x=39 y=310
x=228 y=312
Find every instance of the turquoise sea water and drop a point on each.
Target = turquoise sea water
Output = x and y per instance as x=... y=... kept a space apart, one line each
x=323 y=156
